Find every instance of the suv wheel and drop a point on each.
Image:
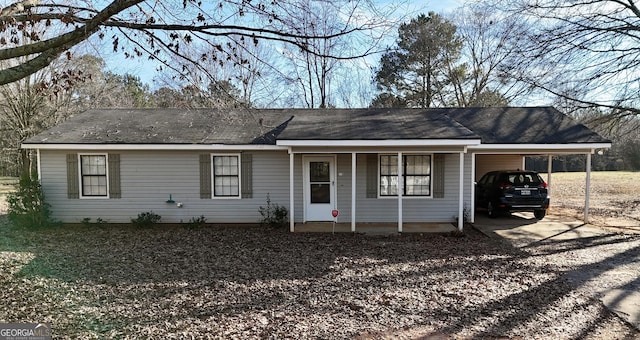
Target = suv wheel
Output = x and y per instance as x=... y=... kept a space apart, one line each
x=491 y=211
x=539 y=214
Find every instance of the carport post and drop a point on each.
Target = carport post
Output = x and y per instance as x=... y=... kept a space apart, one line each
x=353 y=192
x=291 y=193
x=587 y=190
x=549 y=169
x=461 y=194
x=400 y=189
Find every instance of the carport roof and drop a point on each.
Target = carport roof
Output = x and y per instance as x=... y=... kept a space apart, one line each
x=523 y=125
x=504 y=125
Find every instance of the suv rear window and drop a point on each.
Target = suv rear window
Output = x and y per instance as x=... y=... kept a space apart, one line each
x=522 y=178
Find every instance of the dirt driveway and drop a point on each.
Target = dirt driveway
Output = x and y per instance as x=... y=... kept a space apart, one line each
x=599 y=261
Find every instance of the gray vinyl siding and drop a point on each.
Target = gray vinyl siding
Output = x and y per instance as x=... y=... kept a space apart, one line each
x=149 y=177
x=414 y=209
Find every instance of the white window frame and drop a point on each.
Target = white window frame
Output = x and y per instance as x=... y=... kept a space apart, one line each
x=404 y=170
x=81 y=187
x=213 y=176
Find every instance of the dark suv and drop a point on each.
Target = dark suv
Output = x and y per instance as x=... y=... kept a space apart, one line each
x=512 y=190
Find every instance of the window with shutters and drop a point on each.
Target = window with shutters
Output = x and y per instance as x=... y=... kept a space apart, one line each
x=93 y=176
x=226 y=176
x=416 y=175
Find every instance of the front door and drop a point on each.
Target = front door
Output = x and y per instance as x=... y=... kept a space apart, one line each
x=319 y=188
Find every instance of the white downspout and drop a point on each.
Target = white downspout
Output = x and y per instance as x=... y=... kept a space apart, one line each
x=39 y=167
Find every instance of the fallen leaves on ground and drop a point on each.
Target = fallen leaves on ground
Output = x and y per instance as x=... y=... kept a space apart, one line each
x=250 y=282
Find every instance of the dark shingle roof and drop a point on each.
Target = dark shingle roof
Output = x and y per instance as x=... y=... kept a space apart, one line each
x=523 y=125
x=536 y=125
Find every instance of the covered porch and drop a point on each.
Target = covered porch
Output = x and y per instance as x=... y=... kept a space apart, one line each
x=376 y=228
x=352 y=195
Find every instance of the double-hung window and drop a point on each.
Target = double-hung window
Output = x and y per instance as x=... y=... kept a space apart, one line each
x=93 y=175
x=226 y=175
x=415 y=177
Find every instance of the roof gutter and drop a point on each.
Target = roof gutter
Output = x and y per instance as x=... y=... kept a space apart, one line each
x=158 y=147
x=382 y=142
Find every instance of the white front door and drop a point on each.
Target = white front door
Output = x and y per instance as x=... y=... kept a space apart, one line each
x=319 y=190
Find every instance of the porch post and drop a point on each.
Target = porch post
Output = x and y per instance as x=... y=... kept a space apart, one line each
x=461 y=194
x=549 y=170
x=353 y=192
x=291 y=198
x=587 y=190
x=400 y=189
x=472 y=210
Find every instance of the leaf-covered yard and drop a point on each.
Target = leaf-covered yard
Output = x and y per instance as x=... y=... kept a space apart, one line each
x=237 y=282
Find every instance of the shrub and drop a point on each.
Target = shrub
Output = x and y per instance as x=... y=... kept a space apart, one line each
x=146 y=219
x=27 y=207
x=274 y=215
x=87 y=221
x=197 y=221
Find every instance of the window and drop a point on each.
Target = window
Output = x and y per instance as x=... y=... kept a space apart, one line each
x=416 y=176
x=226 y=175
x=93 y=175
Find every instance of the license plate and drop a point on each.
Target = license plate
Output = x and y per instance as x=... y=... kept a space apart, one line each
x=525 y=192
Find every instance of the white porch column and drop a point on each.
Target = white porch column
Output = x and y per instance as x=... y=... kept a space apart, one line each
x=472 y=210
x=461 y=194
x=291 y=195
x=587 y=190
x=400 y=189
x=549 y=170
x=353 y=192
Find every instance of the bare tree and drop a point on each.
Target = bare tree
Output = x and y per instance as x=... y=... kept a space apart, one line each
x=33 y=104
x=313 y=71
x=586 y=51
x=151 y=28
x=489 y=41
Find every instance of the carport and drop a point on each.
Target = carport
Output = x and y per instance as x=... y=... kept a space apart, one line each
x=508 y=138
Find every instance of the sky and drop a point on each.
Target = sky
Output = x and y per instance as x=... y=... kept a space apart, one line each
x=146 y=70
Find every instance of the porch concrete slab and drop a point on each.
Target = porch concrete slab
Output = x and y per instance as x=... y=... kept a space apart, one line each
x=374 y=228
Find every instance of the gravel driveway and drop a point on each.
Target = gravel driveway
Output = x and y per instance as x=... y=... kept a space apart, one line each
x=230 y=282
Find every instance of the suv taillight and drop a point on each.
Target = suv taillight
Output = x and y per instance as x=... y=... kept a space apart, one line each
x=504 y=186
x=544 y=184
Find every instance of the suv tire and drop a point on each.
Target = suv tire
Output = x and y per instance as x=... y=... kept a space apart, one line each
x=491 y=211
x=540 y=214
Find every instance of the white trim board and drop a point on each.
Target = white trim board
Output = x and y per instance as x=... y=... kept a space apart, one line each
x=159 y=147
x=382 y=142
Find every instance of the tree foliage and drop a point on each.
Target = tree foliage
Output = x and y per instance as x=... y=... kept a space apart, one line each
x=416 y=73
